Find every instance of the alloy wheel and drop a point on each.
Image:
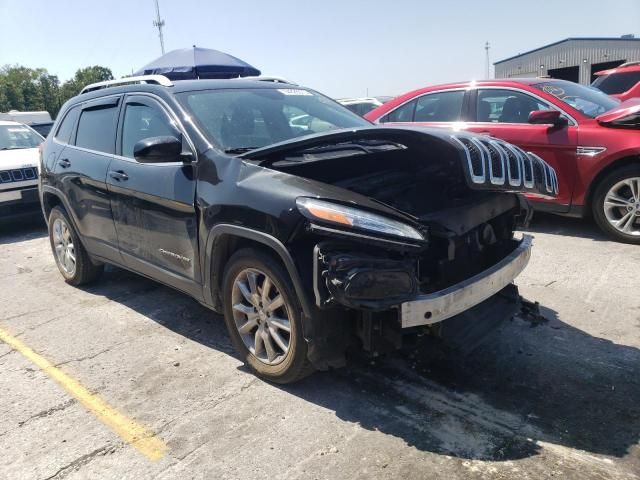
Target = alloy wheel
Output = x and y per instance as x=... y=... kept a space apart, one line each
x=64 y=247
x=622 y=206
x=261 y=316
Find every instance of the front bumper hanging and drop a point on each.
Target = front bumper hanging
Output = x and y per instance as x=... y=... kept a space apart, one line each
x=427 y=309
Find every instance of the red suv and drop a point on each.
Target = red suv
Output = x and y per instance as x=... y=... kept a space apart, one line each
x=591 y=139
x=622 y=82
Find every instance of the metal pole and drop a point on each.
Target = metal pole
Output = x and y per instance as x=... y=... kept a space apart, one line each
x=486 y=47
x=159 y=23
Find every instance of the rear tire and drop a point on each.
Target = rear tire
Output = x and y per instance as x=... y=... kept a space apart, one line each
x=264 y=317
x=616 y=204
x=72 y=259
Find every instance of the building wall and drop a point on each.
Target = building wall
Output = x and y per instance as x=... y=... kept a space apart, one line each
x=569 y=54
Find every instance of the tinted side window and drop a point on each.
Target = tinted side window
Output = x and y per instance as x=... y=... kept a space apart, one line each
x=143 y=121
x=401 y=114
x=506 y=106
x=63 y=134
x=439 y=107
x=97 y=128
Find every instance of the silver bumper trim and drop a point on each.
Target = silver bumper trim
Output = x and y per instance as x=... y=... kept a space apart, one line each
x=17 y=194
x=438 y=306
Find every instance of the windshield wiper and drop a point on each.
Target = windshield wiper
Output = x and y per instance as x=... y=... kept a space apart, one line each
x=14 y=148
x=235 y=150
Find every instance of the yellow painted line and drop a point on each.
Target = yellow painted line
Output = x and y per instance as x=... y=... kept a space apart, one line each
x=129 y=430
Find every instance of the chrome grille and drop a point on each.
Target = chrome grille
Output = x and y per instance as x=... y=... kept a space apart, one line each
x=18 y=175
x=492 y=162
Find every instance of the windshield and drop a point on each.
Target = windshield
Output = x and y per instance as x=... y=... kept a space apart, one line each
x=13 y=137
x=589 y=101
x=243 y=119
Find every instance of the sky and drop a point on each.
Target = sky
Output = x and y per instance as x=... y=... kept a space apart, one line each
x=339 y=47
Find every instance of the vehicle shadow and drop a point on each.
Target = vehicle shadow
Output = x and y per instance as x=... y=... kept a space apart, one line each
x=552 y=383
x=566 y=226
x=25 y=228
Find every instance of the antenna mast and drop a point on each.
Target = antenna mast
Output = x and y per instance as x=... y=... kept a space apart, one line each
x=159 y=23
x=486 y=47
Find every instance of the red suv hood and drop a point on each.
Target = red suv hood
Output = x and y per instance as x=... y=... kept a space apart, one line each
x=625 y=115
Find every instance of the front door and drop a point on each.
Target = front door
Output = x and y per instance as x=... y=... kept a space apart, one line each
x=153 y=204
x=504 y=114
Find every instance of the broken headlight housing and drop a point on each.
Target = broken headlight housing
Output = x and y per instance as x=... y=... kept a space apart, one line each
x=350 y=217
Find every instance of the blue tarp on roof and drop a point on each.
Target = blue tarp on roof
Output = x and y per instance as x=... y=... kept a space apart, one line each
x=195 y=62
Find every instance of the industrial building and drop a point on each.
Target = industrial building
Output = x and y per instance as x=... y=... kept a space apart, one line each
x=574 y=59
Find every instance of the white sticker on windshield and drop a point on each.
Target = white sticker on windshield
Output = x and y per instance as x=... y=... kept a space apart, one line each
x=17 y=129
x=294 y=91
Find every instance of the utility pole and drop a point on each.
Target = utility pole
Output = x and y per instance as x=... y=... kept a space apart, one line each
x=486 y=47
x=158 y=22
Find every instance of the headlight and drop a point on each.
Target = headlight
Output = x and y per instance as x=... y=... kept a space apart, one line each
x=355 y=218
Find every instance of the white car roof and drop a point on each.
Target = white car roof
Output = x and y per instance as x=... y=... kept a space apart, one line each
x=8 y=122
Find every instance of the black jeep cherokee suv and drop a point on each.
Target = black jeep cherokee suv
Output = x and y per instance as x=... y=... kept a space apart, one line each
x=308 y=227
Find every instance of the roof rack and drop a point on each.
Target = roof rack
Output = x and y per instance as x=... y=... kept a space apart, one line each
x=155 y=79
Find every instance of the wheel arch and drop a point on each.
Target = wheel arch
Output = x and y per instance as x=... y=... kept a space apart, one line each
x=615 y=165
x=224 y=240
x=51 y=198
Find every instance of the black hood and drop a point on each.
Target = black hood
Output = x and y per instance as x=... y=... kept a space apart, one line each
x=488 y=163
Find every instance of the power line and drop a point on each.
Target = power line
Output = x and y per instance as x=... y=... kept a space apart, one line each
x=159 y=23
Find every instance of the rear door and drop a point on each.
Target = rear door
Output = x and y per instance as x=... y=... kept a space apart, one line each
x=82 y=157
x=504 y=113
x=154 y=203
x=434 y=109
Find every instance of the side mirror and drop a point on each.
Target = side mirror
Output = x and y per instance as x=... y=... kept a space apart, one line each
x=547 y=117
x=158 y=150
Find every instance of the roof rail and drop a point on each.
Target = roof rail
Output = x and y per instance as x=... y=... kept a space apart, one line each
x=155 y=79
x=269 y=78
x=629 y=64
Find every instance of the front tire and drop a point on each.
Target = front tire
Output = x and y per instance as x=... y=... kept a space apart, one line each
x=616 y=204
x=70 y=255
x=263 y=316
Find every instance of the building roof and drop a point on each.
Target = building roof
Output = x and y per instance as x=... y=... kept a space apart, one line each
x=620 y=39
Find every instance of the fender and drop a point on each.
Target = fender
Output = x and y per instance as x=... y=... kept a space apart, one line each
x=63 y=199
x=268 y=240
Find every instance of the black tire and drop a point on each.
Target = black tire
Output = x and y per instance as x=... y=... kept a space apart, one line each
x=597 y=204
x=293 y=365
x=85 y=270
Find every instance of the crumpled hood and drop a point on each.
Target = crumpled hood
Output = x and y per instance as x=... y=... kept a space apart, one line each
x=488 y=163
x=19 y=158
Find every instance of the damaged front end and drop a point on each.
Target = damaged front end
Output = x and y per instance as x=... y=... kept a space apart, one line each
x=424 y=232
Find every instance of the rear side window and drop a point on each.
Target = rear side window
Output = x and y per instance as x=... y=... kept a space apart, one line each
x=97 y=128
x=616 y=82
x=63 y=134
x=401 y=114
x=439 y=107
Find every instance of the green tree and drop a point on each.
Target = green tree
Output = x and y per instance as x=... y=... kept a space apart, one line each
x=82 y=78
x=23 y=88
x=20 y=89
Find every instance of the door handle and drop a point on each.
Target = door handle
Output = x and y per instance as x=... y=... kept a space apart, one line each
x=118 y=175
x=65 y=163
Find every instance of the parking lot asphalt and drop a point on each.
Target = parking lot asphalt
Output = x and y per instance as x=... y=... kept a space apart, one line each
x=560 y=399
